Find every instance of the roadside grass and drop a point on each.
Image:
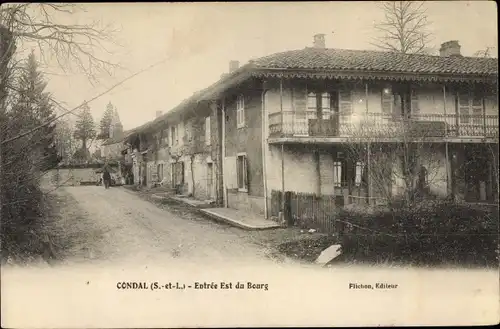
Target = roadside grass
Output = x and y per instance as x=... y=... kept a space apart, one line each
x=40 y=242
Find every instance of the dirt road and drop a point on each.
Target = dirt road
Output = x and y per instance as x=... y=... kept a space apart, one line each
x=112 y=236
x=115 y=225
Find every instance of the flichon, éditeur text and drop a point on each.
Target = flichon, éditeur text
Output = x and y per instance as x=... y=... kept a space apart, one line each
x=371 y=286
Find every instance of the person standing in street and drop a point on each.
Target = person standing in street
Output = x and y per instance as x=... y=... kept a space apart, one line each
x=106 y=177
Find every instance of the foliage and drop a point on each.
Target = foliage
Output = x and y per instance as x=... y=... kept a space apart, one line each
x=73 y=46
x=26 y=115
x=84 y=131
x=408 y=163
x=404 y=28
x=27 y=158
x=105 y=122
x=485 y=53
x=65 y=140
x=428 y=233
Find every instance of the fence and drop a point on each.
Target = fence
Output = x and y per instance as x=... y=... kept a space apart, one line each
x=290 y=123
x=307 y=210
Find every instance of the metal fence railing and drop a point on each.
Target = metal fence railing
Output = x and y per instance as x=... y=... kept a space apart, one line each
x=382 y=125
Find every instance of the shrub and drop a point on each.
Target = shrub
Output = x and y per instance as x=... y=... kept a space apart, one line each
x=430 y=233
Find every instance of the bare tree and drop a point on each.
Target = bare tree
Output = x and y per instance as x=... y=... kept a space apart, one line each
x=493 y=150
x=404 y=28
x=486 y=52
x=406 y=164
x=74 y=46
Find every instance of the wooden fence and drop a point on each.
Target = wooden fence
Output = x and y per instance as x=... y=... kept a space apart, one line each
x=307 y=210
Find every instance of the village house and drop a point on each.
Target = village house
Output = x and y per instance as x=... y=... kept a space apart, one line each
x=345 y=125
x=179 y=149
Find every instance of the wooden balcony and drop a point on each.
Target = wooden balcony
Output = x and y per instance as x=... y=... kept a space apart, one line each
x=439 y=127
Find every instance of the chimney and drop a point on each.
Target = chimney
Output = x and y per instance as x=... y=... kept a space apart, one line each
x=233 y=66
x=158 y=113
x=319 y=41
x=450 y=48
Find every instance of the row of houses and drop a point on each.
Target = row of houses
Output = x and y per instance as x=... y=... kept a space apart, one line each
x=350 y=124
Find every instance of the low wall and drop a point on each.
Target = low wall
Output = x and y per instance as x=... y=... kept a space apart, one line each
x=243 y=201
x=71 y=177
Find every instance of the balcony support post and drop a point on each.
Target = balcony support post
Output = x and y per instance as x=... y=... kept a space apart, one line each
x=447 y=158
x=281 y=106
x=318 y=172
x=368 y=153
x=484 y=116
x=223 y=150
x=282 y=180
x=265 y=134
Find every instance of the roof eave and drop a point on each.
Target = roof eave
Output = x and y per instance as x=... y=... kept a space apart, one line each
x=372 y=75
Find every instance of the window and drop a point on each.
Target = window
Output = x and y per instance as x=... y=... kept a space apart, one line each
x=345 y=102
x=207 y=131
x=312 y=102
x=391 y=102
x=325 y=106
x=470 y=106
x=174 y=139
x=189 y=131
x=337 y=174
x=241 y=172
x=165 y=137
x=358 y=178
x=317 y=101
x=477 y=109
x=240 y=111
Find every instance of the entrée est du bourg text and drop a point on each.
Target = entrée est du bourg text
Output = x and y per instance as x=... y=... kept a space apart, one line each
x=155 y=285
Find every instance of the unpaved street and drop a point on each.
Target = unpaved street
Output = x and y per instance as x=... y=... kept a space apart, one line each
x=112 y=236
x=115 y=225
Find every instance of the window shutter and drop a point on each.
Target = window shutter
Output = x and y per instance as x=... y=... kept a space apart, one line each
x=246 y=172
x=337 y=174
x=238 y=172
x=312 y=103
x=464 y=107
x=299 y=99
x=477 y=108
x=414 y=101
x=345 y=102
x=182 y=173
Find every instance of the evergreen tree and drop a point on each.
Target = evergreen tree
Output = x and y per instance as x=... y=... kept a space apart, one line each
x=84 y=131
x=32 y=108
x=105 y=123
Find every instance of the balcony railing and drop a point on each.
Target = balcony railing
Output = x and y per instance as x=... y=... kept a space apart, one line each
x=307 y=124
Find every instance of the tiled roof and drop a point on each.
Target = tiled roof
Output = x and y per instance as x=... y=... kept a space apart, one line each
x=319 y=60
x=365 y=60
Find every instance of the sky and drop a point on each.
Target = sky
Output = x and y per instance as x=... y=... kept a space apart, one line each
x=197 y=41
